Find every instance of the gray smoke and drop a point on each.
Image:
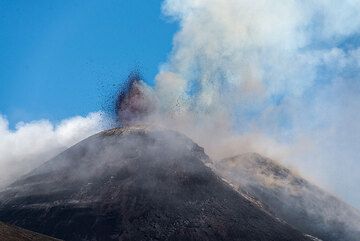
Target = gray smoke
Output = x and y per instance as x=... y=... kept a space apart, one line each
x=275 y=77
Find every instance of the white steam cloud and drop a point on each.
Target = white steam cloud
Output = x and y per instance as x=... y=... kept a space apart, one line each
x=33 y=143
x=277 y=77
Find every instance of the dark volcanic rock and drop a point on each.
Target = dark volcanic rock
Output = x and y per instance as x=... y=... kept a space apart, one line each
x=136 y=184
x=12 y=233
x=292 y=198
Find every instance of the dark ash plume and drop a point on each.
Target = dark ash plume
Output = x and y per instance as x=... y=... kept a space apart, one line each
x=134 y=102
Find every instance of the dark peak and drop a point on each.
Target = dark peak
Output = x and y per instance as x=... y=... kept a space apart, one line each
x=253 y=160
x=248 y=157
x=252 y=155
x=136 y=129
x=245 y=156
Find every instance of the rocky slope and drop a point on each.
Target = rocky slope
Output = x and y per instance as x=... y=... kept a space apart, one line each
x=291 y=197
x=136 y=184
x=12 y=233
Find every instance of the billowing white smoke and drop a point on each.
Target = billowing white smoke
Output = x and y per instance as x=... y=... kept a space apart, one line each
x=277 y=77
x=33 y=143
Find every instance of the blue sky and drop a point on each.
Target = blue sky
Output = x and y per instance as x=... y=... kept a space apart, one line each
x=62 y=58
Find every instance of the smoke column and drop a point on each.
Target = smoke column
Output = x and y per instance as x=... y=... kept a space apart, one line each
x=276 y=77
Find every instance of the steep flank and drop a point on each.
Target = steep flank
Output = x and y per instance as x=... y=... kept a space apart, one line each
x=12 y=233
x=291 y=197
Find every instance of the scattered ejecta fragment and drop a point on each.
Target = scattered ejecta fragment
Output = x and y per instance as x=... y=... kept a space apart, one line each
x=135 y=102
x=242 y=123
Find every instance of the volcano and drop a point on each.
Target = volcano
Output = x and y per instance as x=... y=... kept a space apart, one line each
x=291 y=197
x=137 y=183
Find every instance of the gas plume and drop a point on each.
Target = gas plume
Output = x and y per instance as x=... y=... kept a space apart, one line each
x=279 y=78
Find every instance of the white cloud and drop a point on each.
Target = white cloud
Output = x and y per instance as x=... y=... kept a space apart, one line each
x=33 y=143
